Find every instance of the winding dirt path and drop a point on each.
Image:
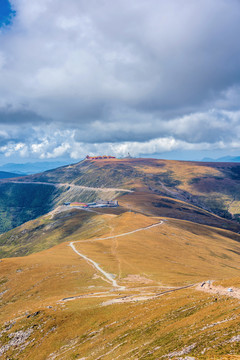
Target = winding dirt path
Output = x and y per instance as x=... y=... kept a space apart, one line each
x=88 y=188
x=108 y=276
x=126 y=298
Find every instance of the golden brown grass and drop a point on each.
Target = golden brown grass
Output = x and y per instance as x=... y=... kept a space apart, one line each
x=213 y=186
x=216 y=184
x=175 y=253
x=44 y=278
x=141 y=330
x=157 y=205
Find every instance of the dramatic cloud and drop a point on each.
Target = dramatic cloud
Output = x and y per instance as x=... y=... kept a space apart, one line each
x=142 y=76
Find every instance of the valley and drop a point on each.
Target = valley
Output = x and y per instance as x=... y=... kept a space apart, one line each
x=124 y=282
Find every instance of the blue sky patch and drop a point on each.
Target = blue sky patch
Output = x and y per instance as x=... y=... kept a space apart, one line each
x=6 y=12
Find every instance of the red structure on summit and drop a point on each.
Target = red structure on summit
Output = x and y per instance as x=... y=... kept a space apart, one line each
x=104 y=157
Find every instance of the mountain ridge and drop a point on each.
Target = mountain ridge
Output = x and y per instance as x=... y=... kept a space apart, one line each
x=226 y=158
x=212 y=187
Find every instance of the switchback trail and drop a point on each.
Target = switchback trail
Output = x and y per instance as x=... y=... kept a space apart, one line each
x=108 y=276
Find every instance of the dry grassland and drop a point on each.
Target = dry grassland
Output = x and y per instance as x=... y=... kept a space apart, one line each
x=177 y=324
x=157 y=205
x=186 y=323
x=175 y=253
x=214 y=185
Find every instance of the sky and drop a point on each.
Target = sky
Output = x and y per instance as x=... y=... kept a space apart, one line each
x=154 y=78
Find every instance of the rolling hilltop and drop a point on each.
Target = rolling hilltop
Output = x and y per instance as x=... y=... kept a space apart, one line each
x=185 y=190
x=121 y=283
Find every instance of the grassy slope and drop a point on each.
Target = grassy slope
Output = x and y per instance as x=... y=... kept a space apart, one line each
x=143 y=330
x=213 y=186
x=7 y=175
x=185 y=190
x=22 y=202
x=154 y=204
x=158 y=254
x=50 y=230
x=176 y=253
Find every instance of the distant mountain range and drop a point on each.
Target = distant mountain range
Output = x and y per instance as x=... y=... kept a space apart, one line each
x=31 y=168
x=223 y=159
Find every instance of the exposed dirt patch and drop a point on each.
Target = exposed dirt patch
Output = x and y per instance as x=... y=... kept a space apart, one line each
x=138 y=279
x=219 y=290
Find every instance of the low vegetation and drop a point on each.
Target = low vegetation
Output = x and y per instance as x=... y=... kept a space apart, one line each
x=211 y=187
x=22 y=202
x=55 y=304
x=201 y=184
x=185 y=322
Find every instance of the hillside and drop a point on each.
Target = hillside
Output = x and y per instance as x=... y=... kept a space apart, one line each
x=193 y=191
x=43 y=233
x=22 y=202
x=7 y=175
x=121 y=283
x=56 y=305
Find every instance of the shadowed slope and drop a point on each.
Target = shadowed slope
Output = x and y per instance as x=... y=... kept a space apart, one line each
x=22 y=202
x=153 y=204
